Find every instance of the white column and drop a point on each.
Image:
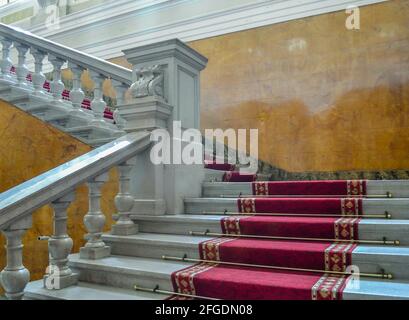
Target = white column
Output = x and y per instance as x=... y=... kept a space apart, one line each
x=98 y=104
x=59 y=275
x=21 y=69
x=15 y=276
x=124 y=201
x=38 y=76
x=6 y=63
x=57 y=86
x=94 y=221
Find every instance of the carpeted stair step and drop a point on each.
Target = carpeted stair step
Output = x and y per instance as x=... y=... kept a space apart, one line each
x=224 y=282
x=397 y=207
x=369 y=229
x=295 y=254
x=398 y=188
x=218 y=175
x=219 y=166
x=86 y=291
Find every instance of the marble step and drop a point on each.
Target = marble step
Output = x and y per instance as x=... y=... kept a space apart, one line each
x=217 y=176
x=124 y=272
x=86 y=291
x=92 y=134
x=369 y=258
x=397 y=207
x=369 y=229
x=398 y=188
x=69 y=120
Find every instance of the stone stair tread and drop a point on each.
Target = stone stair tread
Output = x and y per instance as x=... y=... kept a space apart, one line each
x=158 y=239
x=198 y=218
x=189 y=241
x=133 y=265
x=377 y=289
x=186 y=217
x=87 y=291
x=177 y=218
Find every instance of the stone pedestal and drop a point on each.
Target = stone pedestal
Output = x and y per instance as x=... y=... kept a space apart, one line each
x=166 y=89
x=147 y=179
x=181 y=66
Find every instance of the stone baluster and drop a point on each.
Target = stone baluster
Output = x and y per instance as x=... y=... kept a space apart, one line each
x=38 y=76
x=57 y=86
x=15 y=276
x=98 y=104
x=124 y=201
x=59 y=275
x=76 y=94
x=21 y=69
x=6 y=62
x=121 y=90
x=94 y=221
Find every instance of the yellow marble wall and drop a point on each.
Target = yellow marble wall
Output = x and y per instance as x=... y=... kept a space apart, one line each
x=324 y=98
x=29 y=147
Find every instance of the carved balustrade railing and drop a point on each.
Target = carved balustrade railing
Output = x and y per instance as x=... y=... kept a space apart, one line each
x=17 y=74
x=57 y=189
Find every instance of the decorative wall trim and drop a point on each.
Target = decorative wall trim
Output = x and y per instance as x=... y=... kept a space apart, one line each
x=124 y=19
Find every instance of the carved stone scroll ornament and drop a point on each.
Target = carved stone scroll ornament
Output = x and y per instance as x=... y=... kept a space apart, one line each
x=149 y=82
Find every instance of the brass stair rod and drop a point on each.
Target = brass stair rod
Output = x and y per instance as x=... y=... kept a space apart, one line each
x=387 y=195
x=157 y=290
x=386 y=215
x=238 y=264
x=214 y=234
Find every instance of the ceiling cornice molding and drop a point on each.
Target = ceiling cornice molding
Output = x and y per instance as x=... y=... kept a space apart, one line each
x=243 y=17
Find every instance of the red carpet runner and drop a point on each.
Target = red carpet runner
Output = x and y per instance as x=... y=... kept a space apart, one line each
x=344 y=206
x=236 y=283
x=255 y=283
x=328 y=187
x=230 y=175
x=299 y=227
x=230 y=282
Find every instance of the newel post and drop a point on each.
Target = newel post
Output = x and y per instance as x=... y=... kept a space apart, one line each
x=166 y=88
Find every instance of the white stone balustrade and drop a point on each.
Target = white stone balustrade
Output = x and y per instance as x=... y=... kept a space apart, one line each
x=18 y=203
x=89 y=125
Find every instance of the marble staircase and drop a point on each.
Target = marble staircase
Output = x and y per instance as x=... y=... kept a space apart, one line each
x=138 y=259
x=158 y=206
